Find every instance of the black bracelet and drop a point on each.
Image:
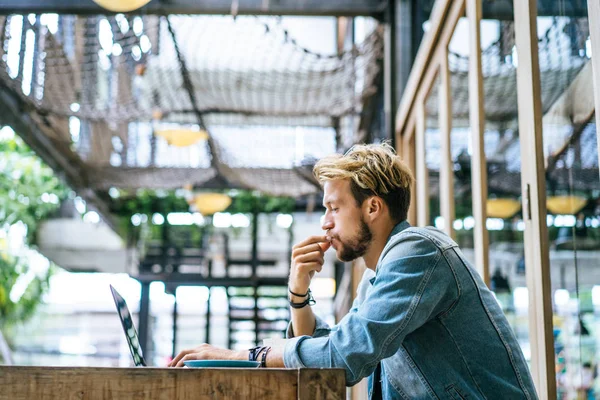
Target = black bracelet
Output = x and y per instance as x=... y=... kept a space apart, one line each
x=254 y=352
x=263 y=361
x=309 y=301
x=299 y=295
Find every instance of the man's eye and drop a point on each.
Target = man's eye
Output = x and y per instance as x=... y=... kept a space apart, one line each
x=334 y=209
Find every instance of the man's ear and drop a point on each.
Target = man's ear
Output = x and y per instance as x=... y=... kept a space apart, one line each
x=373 y=208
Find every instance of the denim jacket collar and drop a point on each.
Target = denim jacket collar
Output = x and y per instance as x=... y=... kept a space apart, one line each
x=397 y=229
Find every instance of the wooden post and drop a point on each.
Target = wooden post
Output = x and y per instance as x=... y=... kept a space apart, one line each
x=478 y=162
x=446 y=165
x=408 y=155
x=533 y=184
x=421 y=175
x=594 y=21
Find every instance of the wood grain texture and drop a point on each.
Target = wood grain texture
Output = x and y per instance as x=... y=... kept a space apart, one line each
x=321 y=384
x=533 y=186
x=409 y=158
x=594 y=21
x=76 y=383
x=477 y=122
x=421 y=65
x=421 y=173
x=447 y=165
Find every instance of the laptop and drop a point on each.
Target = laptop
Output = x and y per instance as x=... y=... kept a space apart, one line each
x=129 y=329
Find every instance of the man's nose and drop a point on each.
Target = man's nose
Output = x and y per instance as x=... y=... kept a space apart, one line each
x=327 y=223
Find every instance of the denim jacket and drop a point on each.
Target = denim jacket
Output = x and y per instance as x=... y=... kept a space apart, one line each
x=430 y=320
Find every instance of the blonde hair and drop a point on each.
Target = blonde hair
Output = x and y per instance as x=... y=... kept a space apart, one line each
x=373 y=170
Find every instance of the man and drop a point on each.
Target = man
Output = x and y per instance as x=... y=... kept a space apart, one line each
x=423 y=325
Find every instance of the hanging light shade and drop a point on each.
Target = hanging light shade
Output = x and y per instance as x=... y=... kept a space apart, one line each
x=502 y=208
x=121 y=5
x=210 y=203
x=182 y=137
x=565 y=204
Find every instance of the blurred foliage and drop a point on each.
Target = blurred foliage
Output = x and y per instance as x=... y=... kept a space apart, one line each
x=144 y=202
x=147 y=201
x=29 y=193
x=15 y=272
x=247 y=201
x=29 y=189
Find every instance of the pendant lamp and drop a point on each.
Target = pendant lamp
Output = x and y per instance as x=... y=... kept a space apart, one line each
x=121 y=5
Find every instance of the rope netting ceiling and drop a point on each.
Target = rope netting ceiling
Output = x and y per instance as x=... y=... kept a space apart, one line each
x=560 y=61
x=567 y=105
x=107 y=85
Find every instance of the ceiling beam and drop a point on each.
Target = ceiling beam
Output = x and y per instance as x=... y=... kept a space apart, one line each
x=67 y=166
x=503 y=9
x=373 y=8
x=492 y=9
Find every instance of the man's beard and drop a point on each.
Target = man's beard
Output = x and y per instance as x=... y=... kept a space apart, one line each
x=358 y=246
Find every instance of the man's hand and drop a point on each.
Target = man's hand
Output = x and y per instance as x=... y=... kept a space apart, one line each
x=207 y=352
x=307 y=258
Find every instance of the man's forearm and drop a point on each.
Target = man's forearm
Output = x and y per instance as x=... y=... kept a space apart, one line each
x=303 y=319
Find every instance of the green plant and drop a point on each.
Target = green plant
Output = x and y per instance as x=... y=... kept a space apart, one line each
x=16 y=276
x=29 y=189
x=247 y=201
x=29 y=193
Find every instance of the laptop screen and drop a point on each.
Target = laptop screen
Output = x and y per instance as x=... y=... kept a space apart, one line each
x=130 y=332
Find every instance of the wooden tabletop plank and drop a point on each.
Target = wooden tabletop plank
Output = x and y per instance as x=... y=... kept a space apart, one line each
x=84 y=383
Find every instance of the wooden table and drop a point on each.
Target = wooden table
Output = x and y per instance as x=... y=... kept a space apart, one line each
x=66 y=383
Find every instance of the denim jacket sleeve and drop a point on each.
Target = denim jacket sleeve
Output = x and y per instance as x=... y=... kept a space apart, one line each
x=403 y=298
x=321 y=328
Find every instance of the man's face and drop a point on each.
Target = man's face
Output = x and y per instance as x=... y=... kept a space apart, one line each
x=344 y=224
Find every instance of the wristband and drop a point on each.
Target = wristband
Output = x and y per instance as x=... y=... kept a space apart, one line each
x=309 y=301
x=299 y=295
x=263 y=361
x=254 y=352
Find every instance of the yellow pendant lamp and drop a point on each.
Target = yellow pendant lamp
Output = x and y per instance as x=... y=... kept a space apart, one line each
x=210 y=203
x=182 y=137
x=568 y=205
x=502 y=208
x=121 y=5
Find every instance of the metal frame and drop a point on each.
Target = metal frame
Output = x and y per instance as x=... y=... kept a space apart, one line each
x=504 y=10
x=389 y=71
x=249 y=7
x=492 y=9
x=533 y=184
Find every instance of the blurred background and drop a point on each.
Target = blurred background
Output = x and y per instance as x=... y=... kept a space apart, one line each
x=167 y=149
